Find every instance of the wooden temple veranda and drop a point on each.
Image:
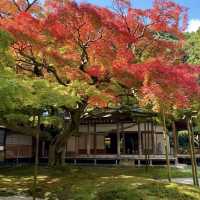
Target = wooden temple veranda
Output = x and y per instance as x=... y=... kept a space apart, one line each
x=118 y=137
x=111 y=136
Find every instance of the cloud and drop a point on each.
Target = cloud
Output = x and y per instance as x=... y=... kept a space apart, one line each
x=194 y=25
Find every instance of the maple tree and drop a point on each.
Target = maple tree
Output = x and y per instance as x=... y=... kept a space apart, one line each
x=24 y=101
x=10 y=8
x=86 y=46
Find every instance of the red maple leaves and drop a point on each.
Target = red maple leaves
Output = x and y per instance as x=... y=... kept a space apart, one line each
x=97 y=45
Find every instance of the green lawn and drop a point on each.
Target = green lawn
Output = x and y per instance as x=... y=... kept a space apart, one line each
x=97 y=183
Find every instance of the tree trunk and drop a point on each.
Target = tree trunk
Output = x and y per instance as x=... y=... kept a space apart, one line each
x=166 y=147
x=56 y=155
x=36 y=159
x=192 y=154
x=57 y=148
x=175 y=140
x=51 y=156
x=63 y=154
x=195 y=161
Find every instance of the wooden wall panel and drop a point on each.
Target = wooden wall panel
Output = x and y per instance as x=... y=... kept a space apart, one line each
x=18 y=151
x=16 y=139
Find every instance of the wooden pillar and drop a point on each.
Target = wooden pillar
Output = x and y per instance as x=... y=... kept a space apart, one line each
x=43 y=148
x=139 y=139
x=146 y=145
x=151 y=162
x=152 y=137
x=148 y=141
x=148 y=137
x=144 y=139
x=139 y=163
x=123 y=138
x=95 y=138
x=118 y=139
x=123 y=144
x=116 y=162
x=76 y=145
x=88 y=144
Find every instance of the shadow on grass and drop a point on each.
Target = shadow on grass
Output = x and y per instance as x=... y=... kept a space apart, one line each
x=94 y=183
x=4 y=192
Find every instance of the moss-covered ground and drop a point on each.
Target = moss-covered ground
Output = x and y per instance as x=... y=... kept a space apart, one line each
x=97 y=183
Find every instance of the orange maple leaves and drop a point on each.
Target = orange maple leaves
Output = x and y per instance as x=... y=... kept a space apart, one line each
x=96 y=44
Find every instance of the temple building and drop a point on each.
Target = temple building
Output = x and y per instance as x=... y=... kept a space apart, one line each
x=104 y=137
x=118 y=136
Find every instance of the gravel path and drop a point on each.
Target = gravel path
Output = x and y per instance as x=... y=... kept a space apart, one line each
x=188 y=181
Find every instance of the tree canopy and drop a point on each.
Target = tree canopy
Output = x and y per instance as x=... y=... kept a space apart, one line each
x=102 y=47
x=192 y=47
x=79 y=56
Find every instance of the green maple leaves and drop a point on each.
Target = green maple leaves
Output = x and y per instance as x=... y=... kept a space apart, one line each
x=5 y=56
x=192 y=47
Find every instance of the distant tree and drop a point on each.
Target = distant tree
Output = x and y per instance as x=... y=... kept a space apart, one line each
x=192 y=48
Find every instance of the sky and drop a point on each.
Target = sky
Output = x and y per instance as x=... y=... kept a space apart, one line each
x=192 y=5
